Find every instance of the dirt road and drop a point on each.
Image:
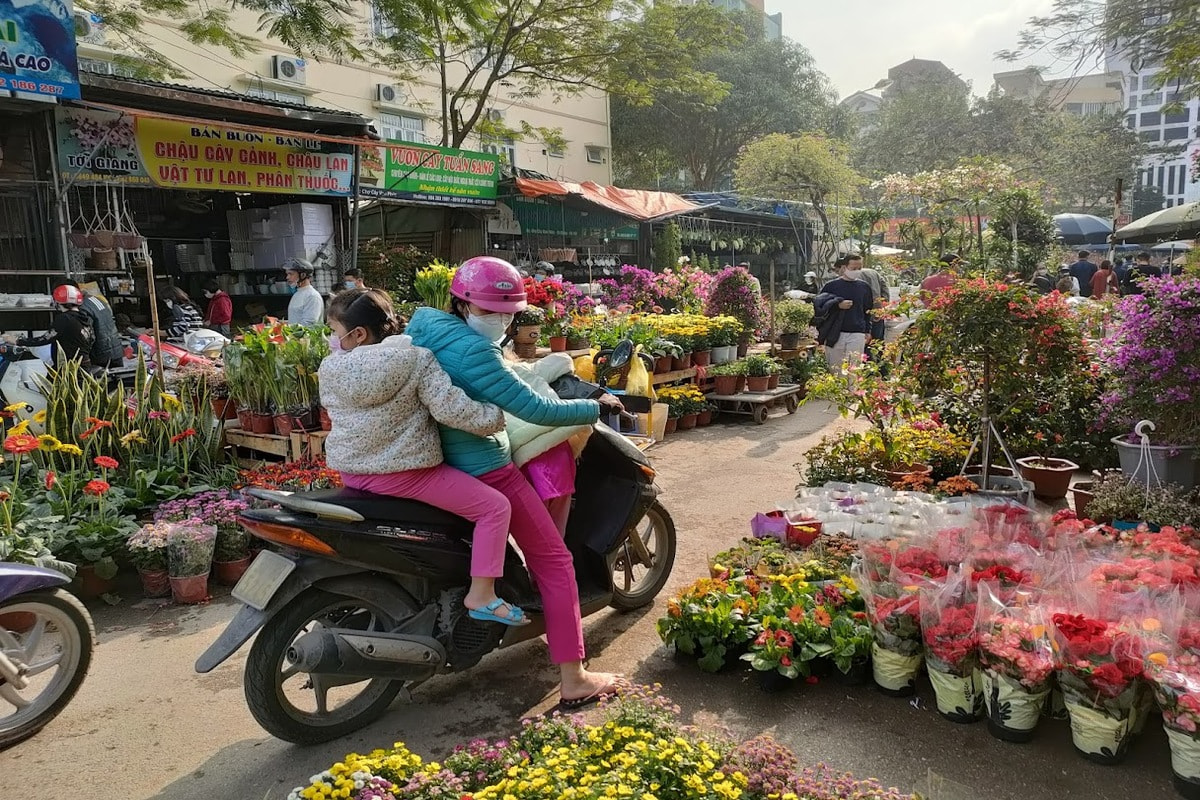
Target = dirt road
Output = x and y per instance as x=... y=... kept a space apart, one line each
x=146 y=726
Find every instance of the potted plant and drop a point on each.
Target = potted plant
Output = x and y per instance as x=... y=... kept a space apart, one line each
x=724 y=338
x=220 y=509
x=1051 y=477
x=701 y=344
x=735 y=293
x=759 y=369
x=705 y=416
x=1152 y=359
x=850 y=647
x=189 y=559
x=579 y=333
x=708 y=619
x=528 y=326
x=725 y=377
x=147 y=549
x=663 y=351
x=1118 y=502
x=97 y=534
x=792 y=318
x=555 y=329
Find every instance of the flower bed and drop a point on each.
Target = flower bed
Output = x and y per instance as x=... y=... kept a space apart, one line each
x=637 y=748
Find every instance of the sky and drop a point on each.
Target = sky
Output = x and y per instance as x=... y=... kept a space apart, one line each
x=855 y=41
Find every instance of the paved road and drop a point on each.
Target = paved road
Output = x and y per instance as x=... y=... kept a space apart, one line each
x=145 y=726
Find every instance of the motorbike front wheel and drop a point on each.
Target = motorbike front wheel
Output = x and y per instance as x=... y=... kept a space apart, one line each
x=636 y=583
x=48 y=637
x=305 y=708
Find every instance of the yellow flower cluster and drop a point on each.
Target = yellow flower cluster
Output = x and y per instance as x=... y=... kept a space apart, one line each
x=346 y=777
x=694 y=331
x=686 y=399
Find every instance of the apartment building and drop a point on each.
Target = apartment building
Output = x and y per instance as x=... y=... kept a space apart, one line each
x=1082 y=95
x=772 y=23
x=403 y=110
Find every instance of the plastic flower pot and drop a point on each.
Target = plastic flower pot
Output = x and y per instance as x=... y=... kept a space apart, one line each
x=757 y=383
x=771 y=682
x=1013 y=711
x=701 y=358
x=682 y=362
x=1051 y=477
x=1178 y=465
x=1098 y=736
x=262 y=423
x=190 y=590
x=283 y=424
x=1081 y=496
x=725 y=384
x=895 y=674
x=245 y=418
x=224 y=407
x=740 y=386
x=578 y=343
x=772 y=381
x=18 y=621
x=959 y=699
x=91 y=584
x=1185 y=762
x=306 y=420
x=662 y=365
x=155 y=582
x=687 y=422
x=558 y=344
x=326 y=422
x=228 y=573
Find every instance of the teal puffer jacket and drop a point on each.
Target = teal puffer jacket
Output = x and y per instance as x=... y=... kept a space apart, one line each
x=477 y=366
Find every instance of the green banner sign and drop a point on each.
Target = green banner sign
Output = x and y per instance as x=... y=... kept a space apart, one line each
x=428 y=174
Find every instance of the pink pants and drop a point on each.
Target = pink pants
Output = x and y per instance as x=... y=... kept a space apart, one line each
x=548 y=559
x=457 y=492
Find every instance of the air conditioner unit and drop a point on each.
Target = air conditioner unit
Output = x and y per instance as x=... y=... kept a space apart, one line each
x=495 y=115
x=89 y=28
x=289 y=69
x=387 y=93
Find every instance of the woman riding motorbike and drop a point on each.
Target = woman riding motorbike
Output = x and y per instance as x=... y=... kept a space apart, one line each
x=486 y=293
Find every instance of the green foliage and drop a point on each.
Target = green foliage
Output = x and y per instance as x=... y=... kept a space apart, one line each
x=392 y=267
x=668 y=247
x=1034 y=228
x=845 y=458
x=793 y=316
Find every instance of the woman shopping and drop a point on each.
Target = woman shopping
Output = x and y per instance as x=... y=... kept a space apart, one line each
x=486 y=293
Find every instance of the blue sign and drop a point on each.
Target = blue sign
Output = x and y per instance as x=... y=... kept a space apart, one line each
x=37 y=48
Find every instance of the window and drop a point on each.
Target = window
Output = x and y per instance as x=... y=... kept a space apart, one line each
x=505 y=148
x=402 y=128
x=556 y=152
x=1150 y=136
x=1151 y=118
x=1131 y=121
x=381 y=25
x=1148 y=81
x=1178 y=117
x=101 y=67
x=595 y=155
x=1152 y=99
x=1175 y=134
x=1073 y=108
x=278 y=97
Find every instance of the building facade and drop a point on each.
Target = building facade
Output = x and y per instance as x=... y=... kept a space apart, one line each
x=404 y=110
x=772 y=23
x=1083 y=95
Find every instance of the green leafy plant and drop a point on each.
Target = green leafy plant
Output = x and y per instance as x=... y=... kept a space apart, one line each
x=793 y=316
x=761 y=365
x=432 y=285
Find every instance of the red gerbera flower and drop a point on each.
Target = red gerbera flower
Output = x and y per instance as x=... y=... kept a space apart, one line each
x=179 y=437
x=51 y=479
x=105 y=462
x=21 y=443
x=96 y=488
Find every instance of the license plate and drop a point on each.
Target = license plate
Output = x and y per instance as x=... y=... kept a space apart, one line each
x=264 y=577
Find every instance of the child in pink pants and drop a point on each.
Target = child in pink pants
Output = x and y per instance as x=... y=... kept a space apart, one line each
x=385 y=398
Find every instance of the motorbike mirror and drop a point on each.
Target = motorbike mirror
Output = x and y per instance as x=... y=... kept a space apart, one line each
x=621 y=355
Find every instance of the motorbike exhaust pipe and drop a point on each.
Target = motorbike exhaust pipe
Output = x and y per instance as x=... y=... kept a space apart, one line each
x=344 y=651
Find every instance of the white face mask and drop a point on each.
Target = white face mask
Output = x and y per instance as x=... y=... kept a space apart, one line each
x=490 y=326
x=852 y=274
x=209 y=295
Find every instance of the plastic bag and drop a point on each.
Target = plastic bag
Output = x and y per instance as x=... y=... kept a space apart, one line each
x=585 y=366
x=764 y=526
x=638 y=383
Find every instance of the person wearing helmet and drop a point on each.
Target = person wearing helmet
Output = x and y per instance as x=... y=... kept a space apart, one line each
x=487 y=292
x=107 y=350
x=71 y=331
x=306 y=307
x=543 y=270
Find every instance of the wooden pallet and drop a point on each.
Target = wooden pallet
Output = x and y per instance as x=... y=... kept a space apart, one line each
x=293 y=447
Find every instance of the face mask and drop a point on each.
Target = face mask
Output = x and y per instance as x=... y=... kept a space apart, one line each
x=490 y=326
x=335 y=343
x=853 y=274
x=349 y=284
x=209 y=295
x=539 y=278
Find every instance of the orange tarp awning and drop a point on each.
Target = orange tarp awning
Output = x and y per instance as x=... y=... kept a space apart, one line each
x=637 y=204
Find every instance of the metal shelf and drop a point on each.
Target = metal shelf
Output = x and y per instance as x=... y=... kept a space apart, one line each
x=23 y=309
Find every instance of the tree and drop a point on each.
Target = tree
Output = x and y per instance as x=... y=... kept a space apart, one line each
x=1148 y=33
x=808 y=167
x=1146 y=199
x=772 y=87
x=1035 y=233
x=924 y=128
x=862 y=223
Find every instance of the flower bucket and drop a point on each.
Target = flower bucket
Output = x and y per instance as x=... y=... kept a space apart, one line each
x=307 y=420
x=1185 y=762
x=283 y=424
x=1178 y=465
x=704 y=419
x=757 y=383
x=190 y=590
x=155 y=582
x=245 y=419
x=224 y=408
x=1013 y=711
x=662 y=365
x=1098 y=736
x=725 y=384
x=959 y=699
x=894 y=674
x=558 y=344
x=683 y=362
x=672 y=424
x=687 y=422
x=91 y=584
x=1051 y=477
x=228 y=573
x=262 y=423
x=723 y=354
x=701 y=358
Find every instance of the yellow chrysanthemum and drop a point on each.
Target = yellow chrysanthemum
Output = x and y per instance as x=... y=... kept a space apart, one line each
x=71 y=449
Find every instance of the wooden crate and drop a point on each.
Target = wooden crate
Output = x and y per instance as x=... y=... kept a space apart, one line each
x=288 y=448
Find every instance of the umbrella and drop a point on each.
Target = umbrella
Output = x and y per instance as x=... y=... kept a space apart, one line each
x=1082 y=228
x=1173 y=247
x=849 y=246
x=1178 y=222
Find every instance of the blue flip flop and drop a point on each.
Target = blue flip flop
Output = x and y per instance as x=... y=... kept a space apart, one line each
x=516 y=617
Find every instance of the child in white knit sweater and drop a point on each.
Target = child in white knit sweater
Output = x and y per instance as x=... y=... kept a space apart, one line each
x=385 y=398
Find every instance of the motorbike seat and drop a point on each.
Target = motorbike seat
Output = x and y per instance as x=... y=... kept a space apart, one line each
x=382 y=508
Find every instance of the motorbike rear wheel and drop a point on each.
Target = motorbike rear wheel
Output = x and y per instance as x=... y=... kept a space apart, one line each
x=634 y=583
x=54 y=652
x=268 y=669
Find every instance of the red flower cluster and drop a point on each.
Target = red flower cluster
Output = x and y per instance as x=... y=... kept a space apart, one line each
x=1006 y=577
x=21 y=443
x=96 y=488
x=179 y=437
x=953 y=639
x=105 y=462
x=97 y=426
x=304 y=474
x=1100 y=656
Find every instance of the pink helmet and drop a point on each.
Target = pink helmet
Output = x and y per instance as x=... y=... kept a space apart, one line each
x=490 y=283
x=67 y=295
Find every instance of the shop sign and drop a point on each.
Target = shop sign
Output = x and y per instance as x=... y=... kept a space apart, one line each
x=424 y=173
x=37 y=48
x=108 y=147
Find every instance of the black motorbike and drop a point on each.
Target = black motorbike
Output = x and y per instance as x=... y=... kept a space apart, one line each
x=363 y=598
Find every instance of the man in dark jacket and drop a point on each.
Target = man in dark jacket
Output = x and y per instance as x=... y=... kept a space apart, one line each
x=107 y=349
x=1141 y=270
x=71 y=330
x=849 y=341
x=1083 y=271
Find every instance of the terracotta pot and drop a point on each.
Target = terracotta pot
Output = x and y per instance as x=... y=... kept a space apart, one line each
x=190 y=590
x=903 y=471
x=262 y=423
x=672 y=424
x=683 y=362
x=662 y=365
x=1051 y=477
x=245 y=418
x=155 y=582
x=773 y=381
x=18 y=621
x=687 y=422
x=757 y=383
x=224 y=408
x=740 y=386
x=725 y=384
x=326 y=422
x=229 y=573
x=308 y=420
x=91 y=584
x=283 y=424
x=701 y=358
x=1082 y=495
x=558 y=344
x=704 y=418
x=789 y=341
